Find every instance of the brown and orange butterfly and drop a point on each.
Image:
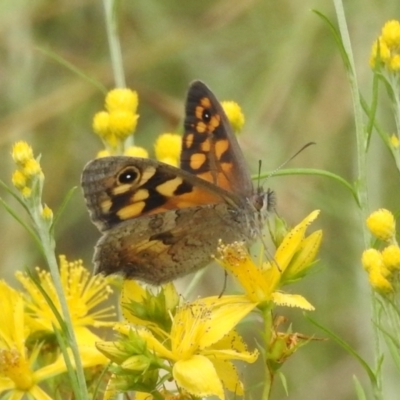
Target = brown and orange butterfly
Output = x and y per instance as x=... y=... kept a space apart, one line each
x=160 y=222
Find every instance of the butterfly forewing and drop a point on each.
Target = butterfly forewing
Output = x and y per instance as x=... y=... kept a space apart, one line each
x=209 y=147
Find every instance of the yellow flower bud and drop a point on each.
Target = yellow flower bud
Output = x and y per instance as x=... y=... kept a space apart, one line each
x=391 y=257
x=122 y=123
x=379 y=282
x=47 y=213
x=391 y=33
x=18 y=179
x=103 y=153
x=168 y=146
x=394 y=141
x=371 y=259
x=101 y=123
x=32 y=168
x=122 y=99
x=380 y=52
x=26 y=192
x=22 y=152
x=381 y=223
x=234 y=114
x=136 y=151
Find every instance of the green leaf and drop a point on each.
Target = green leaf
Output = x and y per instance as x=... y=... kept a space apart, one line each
x=317 y=172
x=359 y=389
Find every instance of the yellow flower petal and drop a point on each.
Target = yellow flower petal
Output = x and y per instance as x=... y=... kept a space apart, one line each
x=291 y=300
x=198 y=376
x=292 y=240
x=229 y=376
x=382 y=224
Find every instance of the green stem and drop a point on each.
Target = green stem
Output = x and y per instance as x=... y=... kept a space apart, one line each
x=268 y=330
x=362 y=171
x=48 y=246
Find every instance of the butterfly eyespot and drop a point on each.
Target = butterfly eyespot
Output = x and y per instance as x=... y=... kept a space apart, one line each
x=206 y=116
x=128 y=175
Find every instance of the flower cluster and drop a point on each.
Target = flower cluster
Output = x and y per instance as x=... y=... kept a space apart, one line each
x=118 y=122
x=28 y=351
x=382 y=265
x=28 y=174
x=386 y=49
x=193 y=343
x=234 y=114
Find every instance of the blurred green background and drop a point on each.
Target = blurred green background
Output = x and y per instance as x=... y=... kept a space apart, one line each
x=280 y=62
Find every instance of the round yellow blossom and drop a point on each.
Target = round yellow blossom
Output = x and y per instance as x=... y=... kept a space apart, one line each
x=101 y=123
x=168 y=145
x=18 y=179
x=122 y=99
x=391 y=33
x=371 y=259
x=380 y=52
x=379 y=282
x=32 y=168
x=394 y=63
x=103 y=153
x=234 y=114
x=136 y=151
x=381 y=223
x=22 y=152
x=26 y=192
x=394 y=141
x=391 y=257
x=47 y=213
x=122 y=123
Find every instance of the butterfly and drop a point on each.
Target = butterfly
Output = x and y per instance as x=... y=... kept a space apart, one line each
x=160 y=222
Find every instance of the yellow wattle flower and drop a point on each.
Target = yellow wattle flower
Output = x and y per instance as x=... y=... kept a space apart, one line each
x=136 y=151
x=234 y=114
x=122 y=99
x=168 y=147
x=21 y=152
x=391 y=257
x=382 y=224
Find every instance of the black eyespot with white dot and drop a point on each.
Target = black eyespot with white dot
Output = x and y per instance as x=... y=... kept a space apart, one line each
x=128 y=175
x=206 y=115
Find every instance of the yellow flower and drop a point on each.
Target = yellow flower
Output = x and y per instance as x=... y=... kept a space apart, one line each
x=103 y=153
x=19 y=179
x=122 y=123
x=381 y=223
x=26 y=192
x=168 y=148
x=101 y=123
x=391 y=33
x=292 y=259
x=31 y=168
x=47 y=213
x=201 y=345
x=234 y=114
x=380 y=52
x=22 y=152
x=394 y=63
x=84 y=293
x=379 y=282
x=18 y=375
x=372 y=259
x=136 y=151
x=394 y=141
x=122 y=99
x=391 y=257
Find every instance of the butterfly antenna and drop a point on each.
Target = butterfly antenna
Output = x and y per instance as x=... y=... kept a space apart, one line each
x=289 y=159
